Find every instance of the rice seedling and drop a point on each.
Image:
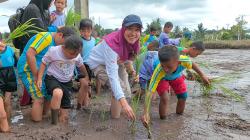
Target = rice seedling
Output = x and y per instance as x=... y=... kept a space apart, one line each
x=148 y=98
x=72 y=18
x=24 y=29
x=217 y=83
x=136 y=99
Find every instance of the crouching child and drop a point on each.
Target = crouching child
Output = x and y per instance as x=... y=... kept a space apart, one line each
x=61 y=62
x=168 y=67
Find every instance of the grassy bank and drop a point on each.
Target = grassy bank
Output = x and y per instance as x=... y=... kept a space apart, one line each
x=228 y=44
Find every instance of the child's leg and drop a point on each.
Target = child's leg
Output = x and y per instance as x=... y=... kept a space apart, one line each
x=163 y=89
x=180 y=88
x=115 y=108
x=55 y=104
x=163 y=106
x=4 y=126
x=7 y=104
x=37 y=110
x=181 y=103
x=64 y=115
x=83 y=96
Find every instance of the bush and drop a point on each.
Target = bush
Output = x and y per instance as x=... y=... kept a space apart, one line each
x=230 y=44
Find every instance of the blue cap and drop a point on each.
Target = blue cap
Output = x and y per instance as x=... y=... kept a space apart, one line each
x=131 y=19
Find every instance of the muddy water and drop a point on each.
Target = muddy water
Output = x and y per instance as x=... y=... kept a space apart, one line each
x=216 y=118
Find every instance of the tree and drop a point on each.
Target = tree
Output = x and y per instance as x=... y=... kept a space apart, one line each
x=177 y=32
x=98 y=28
x=108 y=31
x=241 y=30
x=200 y=33
x=185 y=29
x=156 y=23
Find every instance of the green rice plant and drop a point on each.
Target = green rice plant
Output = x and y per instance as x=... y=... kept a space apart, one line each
x=136 y=99
x=23 y=30
x=231 y=94
x=217 y=83
x=147 y=103
x=72 y=18
x=135 y=106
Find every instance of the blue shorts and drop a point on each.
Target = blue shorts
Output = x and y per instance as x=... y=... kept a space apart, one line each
x=31 y=87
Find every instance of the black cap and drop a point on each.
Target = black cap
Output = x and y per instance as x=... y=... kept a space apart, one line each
x=131 y=19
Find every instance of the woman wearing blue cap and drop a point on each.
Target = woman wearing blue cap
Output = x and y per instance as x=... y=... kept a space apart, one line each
x=107 y=61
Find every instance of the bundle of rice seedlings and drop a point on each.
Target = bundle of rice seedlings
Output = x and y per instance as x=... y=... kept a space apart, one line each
x=72 y=18
x=217 y=83
x=24 y=29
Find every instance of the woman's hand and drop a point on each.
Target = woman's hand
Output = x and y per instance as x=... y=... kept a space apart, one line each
x=129 y=111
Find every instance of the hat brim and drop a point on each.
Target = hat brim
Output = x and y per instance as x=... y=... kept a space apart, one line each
x=133 y=23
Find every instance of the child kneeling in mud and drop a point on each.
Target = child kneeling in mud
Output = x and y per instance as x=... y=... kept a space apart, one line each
x=8 y=84
x=168 y=67
x=61 y=61
x=148 y=58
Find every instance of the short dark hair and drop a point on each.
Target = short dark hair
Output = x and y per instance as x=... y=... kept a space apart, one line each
x=67 y=31
x=153 y=28
x=168 y=24
x=86 y=23
x=167 y=53
x=73 y=42
x=198 y=45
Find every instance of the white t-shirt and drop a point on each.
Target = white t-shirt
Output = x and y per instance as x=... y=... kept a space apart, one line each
x=59 y=66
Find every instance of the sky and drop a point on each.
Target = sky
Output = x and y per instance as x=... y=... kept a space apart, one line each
x=185 y=13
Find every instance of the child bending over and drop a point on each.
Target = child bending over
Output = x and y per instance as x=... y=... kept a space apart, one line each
x=168 y=67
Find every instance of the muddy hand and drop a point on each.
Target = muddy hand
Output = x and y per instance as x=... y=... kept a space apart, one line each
x=206 y=80
x=129 y=112
x=145 y=120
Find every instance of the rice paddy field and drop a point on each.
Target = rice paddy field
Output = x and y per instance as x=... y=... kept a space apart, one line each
x=213 y=117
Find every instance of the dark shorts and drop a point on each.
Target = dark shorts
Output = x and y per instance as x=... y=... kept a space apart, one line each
x=52 y=83
x=8 y=82
x=79 y=75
